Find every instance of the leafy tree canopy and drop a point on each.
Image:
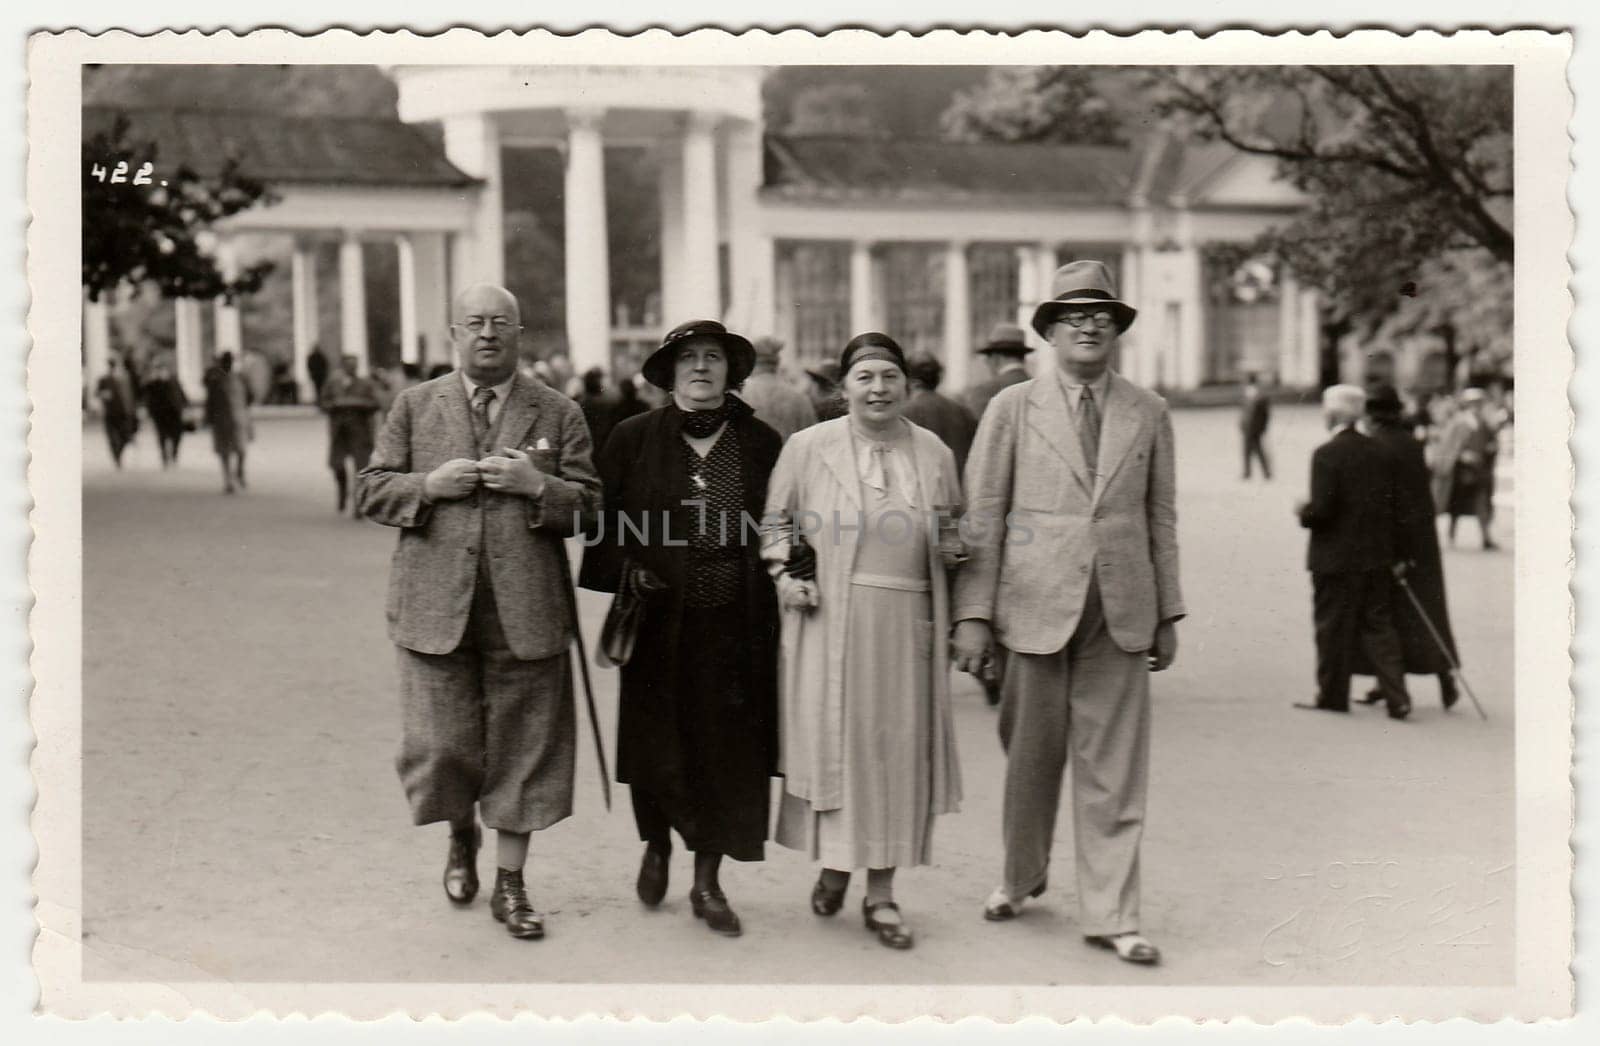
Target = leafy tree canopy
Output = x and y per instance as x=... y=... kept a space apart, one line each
x=1404 y=166
x=157 y=233
x=1034 y=104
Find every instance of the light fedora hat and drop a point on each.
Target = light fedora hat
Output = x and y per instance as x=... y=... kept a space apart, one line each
x=1078 y=286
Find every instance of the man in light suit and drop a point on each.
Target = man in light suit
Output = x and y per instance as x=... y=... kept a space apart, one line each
x=1072 y=531
x=484 y=472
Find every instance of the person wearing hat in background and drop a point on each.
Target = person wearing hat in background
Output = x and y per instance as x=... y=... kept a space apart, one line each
x=1355 y=545
x=869 y=753
x=351 y=403
x=484 y=472
x=1073 y=569
x=775 y=401
x=1461 y=476
x=825 y=398
x=948 y=420
x=697 y=720
x=1005 y=353
x=1419 y=651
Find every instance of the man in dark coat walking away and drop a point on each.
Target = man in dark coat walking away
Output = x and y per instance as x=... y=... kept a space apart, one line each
x=1005 y=352
x=1355 y=544
x=351 y=403
x=949 y=420
x=1255 y=411
x=166 y=402
x=1424 y=568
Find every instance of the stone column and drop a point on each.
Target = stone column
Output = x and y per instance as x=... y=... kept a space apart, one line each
x=751 y=308
x=188 y=355
x=1288 y=362
x=674 y=310
x=957 y=316
x=472 y=143
x=408 y=298
x=1310 y=339
x=863 y=309
x=96 y=346
x=588 y=264
x=352 y=302
x=1191 y=355
x=303 y=287
x=230 y=334
x=702 y=284
x=432 y=295
x=1132 y=346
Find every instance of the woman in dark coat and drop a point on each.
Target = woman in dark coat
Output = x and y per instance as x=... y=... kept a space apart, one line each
x=696 y=736
x=1425 y=570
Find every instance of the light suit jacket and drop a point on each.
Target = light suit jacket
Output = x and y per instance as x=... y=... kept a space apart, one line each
x=435 y=566
x=816 y=473
x=1029 y=578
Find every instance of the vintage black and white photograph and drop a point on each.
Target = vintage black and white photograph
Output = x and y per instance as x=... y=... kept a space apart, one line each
x=983 y=524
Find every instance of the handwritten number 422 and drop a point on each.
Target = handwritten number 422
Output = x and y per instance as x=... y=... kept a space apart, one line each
x=119 y=173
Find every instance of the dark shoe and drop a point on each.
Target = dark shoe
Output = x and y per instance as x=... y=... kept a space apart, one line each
x=652 y=884
x=890 y=935
x=461 y=867
x=1002 y=907
x=712 y=906
x=825 y=901
x=1400 y=711
x=1319 y=707
x=1130 y=947
x=1373 y=697
x=510 y=905
x=1447 y=692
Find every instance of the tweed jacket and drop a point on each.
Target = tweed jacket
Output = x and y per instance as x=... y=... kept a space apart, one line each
x=1037 y=525
x=435 y=566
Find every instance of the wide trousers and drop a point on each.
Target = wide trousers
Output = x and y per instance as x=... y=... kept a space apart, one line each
x=1352 y=610
x=1087 y=704
x=480 y=726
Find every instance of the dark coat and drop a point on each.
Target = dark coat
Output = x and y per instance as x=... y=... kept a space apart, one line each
x=979 y=395
x=1425 y=575
x=1352 y=512
x=638 y=467
x=947 y=419
x=1255 y=414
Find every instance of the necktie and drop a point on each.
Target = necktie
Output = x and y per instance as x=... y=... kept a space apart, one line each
x=1089 y=428
x=482 y=396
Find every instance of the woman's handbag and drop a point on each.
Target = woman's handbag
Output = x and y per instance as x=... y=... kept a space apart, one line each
x=620 y=634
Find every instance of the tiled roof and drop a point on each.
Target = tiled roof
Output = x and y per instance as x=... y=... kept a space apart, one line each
x=288 y=149
x=819 y=168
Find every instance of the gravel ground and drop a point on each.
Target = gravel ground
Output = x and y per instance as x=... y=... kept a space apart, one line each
x=242 y=819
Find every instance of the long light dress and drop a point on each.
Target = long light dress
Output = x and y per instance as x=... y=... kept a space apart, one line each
x=885 y=819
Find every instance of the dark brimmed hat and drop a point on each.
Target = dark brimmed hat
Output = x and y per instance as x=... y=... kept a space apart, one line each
x=1078 y=286
x=658 y=366
x=872 y=345
x=1007 y=338
x=1383 y=399
x=827 y=371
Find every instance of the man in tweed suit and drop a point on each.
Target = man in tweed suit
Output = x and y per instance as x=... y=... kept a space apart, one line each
x=484 y=472
x=1074 y=570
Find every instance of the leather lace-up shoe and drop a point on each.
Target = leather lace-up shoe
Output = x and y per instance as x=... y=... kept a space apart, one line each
x=510 y=905
x=461 y=867
x=712 y=906
x=652 y=884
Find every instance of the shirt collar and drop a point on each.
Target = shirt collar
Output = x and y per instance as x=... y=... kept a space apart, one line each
x=1074 y=389
x=501 y=391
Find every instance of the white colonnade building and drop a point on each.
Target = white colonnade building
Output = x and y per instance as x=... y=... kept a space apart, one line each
x=808 y=239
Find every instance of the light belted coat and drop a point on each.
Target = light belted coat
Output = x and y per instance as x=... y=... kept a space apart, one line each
x=1029 y=579
x=816 y=475
x=435 y=566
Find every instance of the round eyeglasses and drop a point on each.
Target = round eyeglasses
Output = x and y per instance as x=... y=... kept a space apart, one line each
x=478 y=324
x=1076 y=320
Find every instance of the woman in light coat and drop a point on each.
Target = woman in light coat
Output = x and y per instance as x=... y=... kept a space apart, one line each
x=867 y=746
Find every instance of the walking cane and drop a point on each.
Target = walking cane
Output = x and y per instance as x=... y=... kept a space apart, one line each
x=1444 y=647
x=588 y=688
